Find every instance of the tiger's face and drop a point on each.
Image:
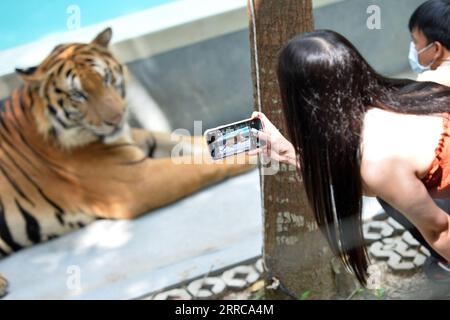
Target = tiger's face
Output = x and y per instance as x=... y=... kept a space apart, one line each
x=83 y=88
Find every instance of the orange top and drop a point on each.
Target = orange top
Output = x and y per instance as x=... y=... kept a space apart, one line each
x=437 y=179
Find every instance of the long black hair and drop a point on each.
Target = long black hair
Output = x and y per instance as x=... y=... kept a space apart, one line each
x=326 y=88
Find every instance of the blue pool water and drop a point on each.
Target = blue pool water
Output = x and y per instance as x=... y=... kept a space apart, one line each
x=23 y=21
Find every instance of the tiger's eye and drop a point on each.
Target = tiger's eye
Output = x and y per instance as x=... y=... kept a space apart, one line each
x=78 y=96
x=108 y=79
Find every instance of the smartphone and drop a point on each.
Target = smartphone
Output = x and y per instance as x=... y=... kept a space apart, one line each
x=234 y=138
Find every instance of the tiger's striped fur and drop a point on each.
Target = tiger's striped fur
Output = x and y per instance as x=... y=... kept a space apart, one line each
x=67 y=156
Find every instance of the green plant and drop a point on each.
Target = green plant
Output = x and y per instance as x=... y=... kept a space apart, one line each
x=380 y=293
x=259 y=295
x=307 y=295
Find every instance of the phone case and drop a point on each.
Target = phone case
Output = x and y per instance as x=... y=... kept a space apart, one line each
x=240 y=142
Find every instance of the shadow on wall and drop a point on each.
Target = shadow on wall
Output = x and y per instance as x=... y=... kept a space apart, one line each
x=211 y=80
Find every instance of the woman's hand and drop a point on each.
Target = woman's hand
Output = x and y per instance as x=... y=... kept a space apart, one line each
x=277 y=147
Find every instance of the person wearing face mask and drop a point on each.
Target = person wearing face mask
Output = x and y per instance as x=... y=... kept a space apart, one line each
x=429 y=54
x=429 y=57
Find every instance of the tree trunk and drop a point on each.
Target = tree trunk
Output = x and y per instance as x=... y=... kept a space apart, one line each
x=295 y=251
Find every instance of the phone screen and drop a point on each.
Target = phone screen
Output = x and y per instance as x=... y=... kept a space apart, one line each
x=234 y=138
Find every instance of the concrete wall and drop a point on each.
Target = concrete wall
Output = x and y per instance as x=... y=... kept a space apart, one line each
x=385 y=49
x=211 y=81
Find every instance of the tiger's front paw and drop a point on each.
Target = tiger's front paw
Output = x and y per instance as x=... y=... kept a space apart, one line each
x=145 y=141
x=3 y=286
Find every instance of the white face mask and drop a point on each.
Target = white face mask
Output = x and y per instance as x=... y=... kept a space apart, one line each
x=414 y=58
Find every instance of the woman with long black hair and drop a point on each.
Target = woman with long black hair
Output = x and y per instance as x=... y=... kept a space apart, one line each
x=354 y=133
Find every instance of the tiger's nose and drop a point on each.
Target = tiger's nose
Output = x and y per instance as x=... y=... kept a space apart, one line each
x=114 y=121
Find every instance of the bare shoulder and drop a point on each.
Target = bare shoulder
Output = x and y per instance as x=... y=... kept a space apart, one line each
x=377 y=170
x=393 y=143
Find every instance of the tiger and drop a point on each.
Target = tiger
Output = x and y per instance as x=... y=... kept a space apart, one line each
x=69 y=157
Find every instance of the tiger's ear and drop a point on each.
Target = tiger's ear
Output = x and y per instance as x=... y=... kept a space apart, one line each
x=30 y=75
x=103 y=38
